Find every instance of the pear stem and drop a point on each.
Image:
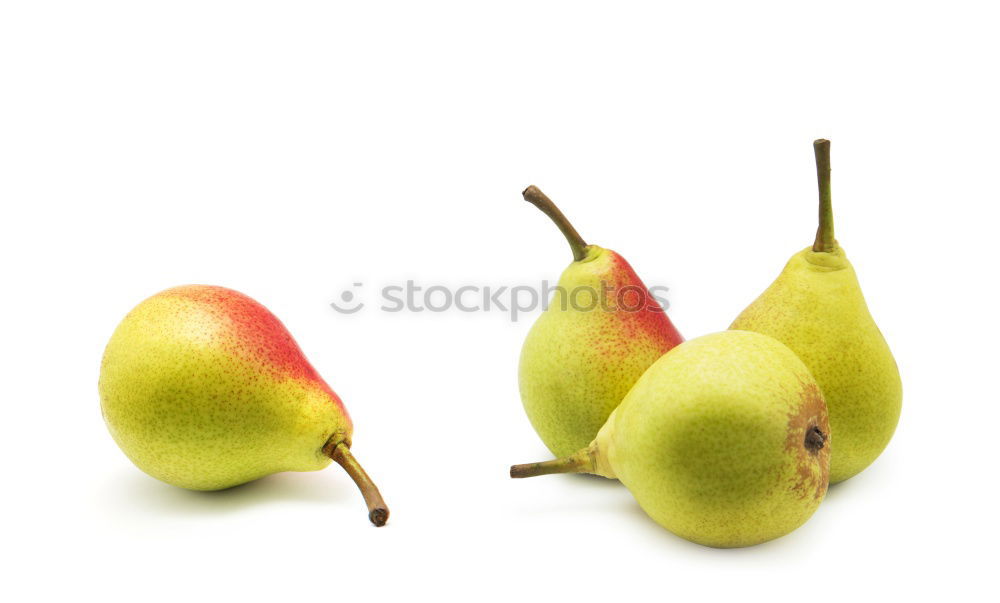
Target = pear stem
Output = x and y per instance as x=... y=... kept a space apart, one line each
x=378 y=512
x=824 y=234
x=580 y=462
x=537 y=198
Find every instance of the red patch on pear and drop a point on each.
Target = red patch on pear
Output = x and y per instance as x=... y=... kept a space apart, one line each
x=640 y=314
x=257 y=333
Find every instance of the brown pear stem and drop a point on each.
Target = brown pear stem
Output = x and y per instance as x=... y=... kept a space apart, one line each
x=824 y=234
x=378 y=513
x=537 y=198
x=580 y=462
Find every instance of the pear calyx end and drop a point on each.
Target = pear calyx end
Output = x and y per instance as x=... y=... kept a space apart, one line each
x=815 y=439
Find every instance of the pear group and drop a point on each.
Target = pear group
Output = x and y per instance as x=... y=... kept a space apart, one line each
x=729 y=439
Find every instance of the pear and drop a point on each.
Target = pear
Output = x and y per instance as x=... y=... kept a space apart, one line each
x=724 y=441
x=203 y=388
x=601 y=330
x=816 y=308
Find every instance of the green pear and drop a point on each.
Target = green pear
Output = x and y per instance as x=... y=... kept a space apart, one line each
x=203 y=388
x=816 y=308
x=601 y=330
x=724 y=441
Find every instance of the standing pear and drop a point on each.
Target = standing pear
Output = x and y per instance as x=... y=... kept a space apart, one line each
x=601 y=331
x=816 y=308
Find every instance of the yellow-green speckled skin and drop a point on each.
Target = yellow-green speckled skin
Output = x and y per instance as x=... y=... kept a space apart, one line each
x=203 y=388
x=711 y=440
x=816 y=308
x=577 y=365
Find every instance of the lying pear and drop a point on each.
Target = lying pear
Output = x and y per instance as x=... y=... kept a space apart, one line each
x=601 y=330
x=816 y=308
x=724 y=441
x=203 y=388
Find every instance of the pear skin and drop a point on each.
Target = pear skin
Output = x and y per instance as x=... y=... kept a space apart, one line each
x=203 y=388
x=816 y=308
x=601 y=331
x=724 y=441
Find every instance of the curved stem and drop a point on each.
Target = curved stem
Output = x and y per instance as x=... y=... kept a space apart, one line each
x=579 y=462
x=537 y=198
x=378 y=513
x=824 y=234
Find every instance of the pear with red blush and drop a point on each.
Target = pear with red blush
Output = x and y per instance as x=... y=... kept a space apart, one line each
x=599 y=334
x=203 y=388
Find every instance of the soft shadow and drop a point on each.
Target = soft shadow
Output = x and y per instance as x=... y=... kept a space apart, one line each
x=139 y=492
x=779 y=547
x=852 y=485
x=650 y=529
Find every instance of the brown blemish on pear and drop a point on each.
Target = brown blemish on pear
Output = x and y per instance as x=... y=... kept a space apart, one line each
x=809 y=440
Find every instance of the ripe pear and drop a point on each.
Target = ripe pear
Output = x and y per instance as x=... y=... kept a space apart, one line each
x=601 y=330
x=816 y=308
x=724 y=441
x=203 y=388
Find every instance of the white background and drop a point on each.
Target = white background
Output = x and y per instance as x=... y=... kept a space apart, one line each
x=289 y=149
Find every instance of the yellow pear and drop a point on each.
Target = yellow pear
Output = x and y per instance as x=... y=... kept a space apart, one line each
x=816 y=308
x=723 y=441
